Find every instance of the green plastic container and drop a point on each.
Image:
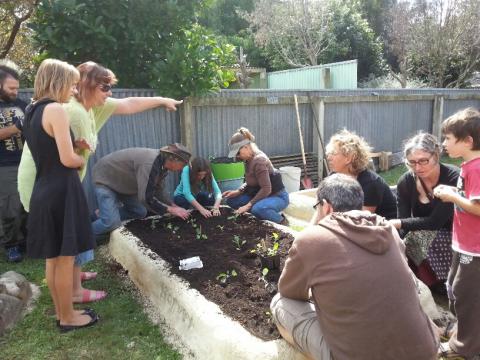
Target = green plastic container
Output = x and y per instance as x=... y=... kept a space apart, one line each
x=227 y=170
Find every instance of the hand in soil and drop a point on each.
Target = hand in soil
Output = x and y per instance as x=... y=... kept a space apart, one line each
x=216 y=212
x=205 y=213
x=243 y=209
x=180 y=212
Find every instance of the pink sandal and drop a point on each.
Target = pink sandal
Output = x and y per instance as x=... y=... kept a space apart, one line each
x=85 y=276
x=91 y=296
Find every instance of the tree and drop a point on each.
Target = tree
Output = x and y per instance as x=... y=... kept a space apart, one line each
x=145 y=42
x=439 y=42
x=296 y=30
x=15 y=36
x=224 y=18
x=194 y=65
x=354 y=39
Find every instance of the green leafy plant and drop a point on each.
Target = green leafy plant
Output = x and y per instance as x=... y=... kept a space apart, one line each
x=220 y=227
x=154 y=223
x=264 y=274
x=196 y=64
x=199 y=235
x=233 y=217
x=275 y=236
x=237 y=242
x=224 y=276
x=262 y=249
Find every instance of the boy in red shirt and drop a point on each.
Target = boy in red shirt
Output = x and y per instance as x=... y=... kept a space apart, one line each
x=462 y=140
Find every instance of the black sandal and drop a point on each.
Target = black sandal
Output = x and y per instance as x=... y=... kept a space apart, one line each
x=94 y=319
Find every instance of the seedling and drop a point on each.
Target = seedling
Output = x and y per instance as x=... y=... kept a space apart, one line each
x=224 y=276
x=264 y=274
x=199 y=235
x=275 y=236
x=233 y=217
x=154 y=223
x=238 y=243
x=263 y=250
x=220 y=227
x=169 y=226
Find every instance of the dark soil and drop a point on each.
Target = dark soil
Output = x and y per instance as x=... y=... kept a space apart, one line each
x=244 y=297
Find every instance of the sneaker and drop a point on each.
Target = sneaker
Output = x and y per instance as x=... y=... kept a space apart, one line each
x=14 y=255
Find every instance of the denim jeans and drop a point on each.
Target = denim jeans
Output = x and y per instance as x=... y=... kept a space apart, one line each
x=265 y=209
x=204 y=198
x=114 y=208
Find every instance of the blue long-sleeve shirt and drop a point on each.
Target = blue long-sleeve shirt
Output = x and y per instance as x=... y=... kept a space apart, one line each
x=185 y=190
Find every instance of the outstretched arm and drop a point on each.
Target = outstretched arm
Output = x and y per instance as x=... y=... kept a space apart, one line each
x=132 y=105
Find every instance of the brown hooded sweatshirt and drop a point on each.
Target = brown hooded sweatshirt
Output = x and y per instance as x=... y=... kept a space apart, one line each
x=363 y=290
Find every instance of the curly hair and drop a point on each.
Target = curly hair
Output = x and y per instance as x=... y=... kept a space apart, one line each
x=354 y=146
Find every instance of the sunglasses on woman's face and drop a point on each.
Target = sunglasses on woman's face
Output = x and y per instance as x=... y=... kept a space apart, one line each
x=105 y=87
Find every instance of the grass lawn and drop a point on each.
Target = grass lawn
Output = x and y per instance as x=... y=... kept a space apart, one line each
x=391 y=176
x=124 y=331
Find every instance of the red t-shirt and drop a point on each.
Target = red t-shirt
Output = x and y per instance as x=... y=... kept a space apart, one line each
x=466 y=226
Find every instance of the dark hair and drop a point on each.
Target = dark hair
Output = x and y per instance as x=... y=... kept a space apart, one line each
x=463 y=124
x=8 y=69
x=92 y=75
x=197 y=165
x=341 y=191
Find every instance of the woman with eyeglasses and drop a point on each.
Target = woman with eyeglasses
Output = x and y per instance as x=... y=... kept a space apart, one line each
x=424 y=221
x=349 y=154
x=88 y=110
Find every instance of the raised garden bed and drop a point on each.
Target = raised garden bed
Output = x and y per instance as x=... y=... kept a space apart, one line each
x=232 y=276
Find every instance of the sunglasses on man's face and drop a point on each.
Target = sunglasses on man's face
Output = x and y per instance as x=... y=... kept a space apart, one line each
x=105 y=87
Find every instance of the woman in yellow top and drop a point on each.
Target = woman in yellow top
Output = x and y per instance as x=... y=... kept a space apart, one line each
x=88 y=111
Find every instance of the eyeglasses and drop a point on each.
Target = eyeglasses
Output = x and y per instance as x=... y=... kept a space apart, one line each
x=421 y=162
x=105 y=87
x=318 y=203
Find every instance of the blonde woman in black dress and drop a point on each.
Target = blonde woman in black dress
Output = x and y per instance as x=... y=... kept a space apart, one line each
x=59 y=223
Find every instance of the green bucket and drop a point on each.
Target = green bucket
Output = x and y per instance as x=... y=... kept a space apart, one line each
x=226 y=169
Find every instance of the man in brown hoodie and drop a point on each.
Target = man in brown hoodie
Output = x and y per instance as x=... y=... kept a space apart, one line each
x=363 y=303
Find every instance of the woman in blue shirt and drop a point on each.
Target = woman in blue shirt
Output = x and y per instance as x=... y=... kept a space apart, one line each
x=198 y=188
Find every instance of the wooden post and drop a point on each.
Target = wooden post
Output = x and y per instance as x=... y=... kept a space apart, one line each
x=437 y=117
x=327 y=80
x=187 y=128
x=318 y=108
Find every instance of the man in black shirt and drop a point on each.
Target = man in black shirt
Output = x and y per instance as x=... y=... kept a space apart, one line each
x=12 y=215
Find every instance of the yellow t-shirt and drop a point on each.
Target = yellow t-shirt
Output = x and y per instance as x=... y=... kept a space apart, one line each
x=84 y=124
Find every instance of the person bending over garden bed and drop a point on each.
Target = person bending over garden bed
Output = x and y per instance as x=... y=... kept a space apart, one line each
x=364 y=302
x=133 y=178
x=263 y=193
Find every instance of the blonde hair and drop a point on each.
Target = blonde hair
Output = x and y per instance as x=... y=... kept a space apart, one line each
x=92 y=75
x=244 y=134
x=54 y=80
x=354 y=146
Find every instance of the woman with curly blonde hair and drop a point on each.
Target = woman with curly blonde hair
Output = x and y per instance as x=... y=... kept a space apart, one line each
x=349 y=154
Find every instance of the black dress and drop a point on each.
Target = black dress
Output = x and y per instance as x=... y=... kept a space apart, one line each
x=59 y=222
